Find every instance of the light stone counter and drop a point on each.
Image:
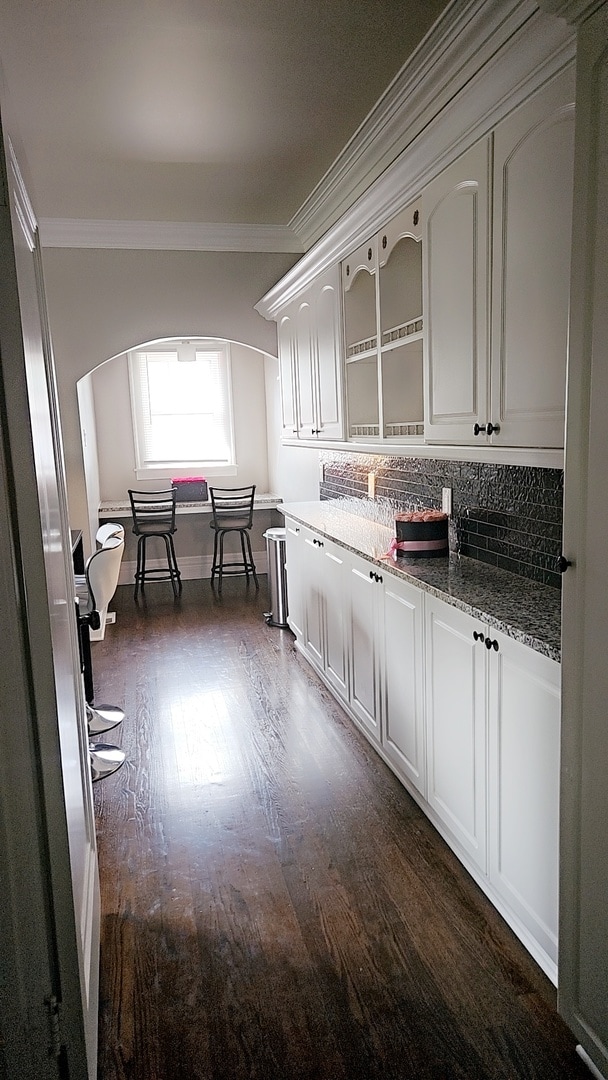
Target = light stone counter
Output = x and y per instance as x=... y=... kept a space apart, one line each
x=522 y=609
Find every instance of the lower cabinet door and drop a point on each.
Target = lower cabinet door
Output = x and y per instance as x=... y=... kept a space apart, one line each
x=456 y=726
x=336 y=665
x=364 y=646
x=313 y=585
x=294 y=545
x=403 y=729
x=524 y=751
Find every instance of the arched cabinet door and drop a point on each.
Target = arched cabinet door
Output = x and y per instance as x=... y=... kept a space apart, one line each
x=328 y=358
x=533 y=162
x=400 y=275
x=310 y=362
x=305 y=357
x=359 y=272
x=400 y=325
x=287 y=375
x=455 y=276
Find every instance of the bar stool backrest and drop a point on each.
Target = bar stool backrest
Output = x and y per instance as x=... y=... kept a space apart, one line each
x=153 y=511
x=232 y=508
x=102 y=571
x=108 y=529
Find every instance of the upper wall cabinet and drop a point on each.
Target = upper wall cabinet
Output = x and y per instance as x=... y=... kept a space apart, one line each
x=382 y=289
x=310 y=362
x=455 y=297
x=495 y=358
x=533 y=189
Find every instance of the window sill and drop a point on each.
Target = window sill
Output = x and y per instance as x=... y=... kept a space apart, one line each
x=186 y=471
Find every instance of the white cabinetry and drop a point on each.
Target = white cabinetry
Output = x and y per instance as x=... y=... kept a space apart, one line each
x=335 y=652
x=502 y=383
x=533 y=186
x=455 y=208
x=324 y=637
x=523 y=786
x=382 y=287
x=365 y=644
x=294 y=565
x=310 y=362
x=456 y=727
x=316 y=593
x=468 y=718
x=385 y=650
x=403 y=727
x=313 y=585
x=490 y=698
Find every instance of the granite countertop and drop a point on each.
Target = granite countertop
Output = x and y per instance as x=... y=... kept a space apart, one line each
x=262 y=501
x=524 y=610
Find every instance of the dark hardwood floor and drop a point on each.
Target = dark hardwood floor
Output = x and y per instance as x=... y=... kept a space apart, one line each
x=274 y=905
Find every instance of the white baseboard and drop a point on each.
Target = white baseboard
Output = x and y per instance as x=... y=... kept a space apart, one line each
x=190 y=566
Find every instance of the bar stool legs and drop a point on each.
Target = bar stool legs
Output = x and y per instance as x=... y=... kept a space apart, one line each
x=153 y=514
x=102 y=718
x=105 y=759
x=232 y=510
x=171 y=574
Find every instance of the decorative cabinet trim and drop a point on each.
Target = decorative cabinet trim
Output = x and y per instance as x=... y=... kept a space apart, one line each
x=573 y=11
x=454 y=90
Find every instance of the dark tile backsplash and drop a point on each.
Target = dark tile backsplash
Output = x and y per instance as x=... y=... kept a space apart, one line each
x=506 y=515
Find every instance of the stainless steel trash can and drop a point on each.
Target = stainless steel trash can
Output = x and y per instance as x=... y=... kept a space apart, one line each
x=277 y=577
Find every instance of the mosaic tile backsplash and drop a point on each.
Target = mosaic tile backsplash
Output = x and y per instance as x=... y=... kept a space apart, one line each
x=505 y=515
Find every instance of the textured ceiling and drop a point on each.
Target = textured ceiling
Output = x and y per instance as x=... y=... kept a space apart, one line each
x=195 y=110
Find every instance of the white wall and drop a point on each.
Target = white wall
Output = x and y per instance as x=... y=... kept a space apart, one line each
x=102 y=303
x=88 y=434
x=115 y=445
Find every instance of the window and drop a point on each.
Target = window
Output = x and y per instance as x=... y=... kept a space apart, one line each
x=182 y=407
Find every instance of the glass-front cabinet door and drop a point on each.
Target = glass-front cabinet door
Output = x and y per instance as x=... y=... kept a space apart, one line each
x=400 y=308
x=359 y=277
x=382 y=291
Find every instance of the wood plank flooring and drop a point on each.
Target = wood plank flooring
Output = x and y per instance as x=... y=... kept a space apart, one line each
x=274 y=905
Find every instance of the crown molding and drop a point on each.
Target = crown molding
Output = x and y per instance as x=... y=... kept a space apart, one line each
x=166 y=235
x=526 y=60
x=573 y=11
x=23 y=207
x=465 y=38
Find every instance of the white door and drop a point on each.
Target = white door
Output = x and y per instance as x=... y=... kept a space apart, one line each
x=403 y=734
x=286 y=344
x=336 y=664
x=523 y=786
x=456 y=726
x=533 y=159
x=50 y=917
x=455 y=284
x=294 y=549
x=365 y=647
x=583 y=945
x=304 y=369
x=312 y=583
x=328 y=356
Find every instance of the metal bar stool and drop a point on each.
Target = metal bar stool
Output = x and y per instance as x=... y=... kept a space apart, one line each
x=154 y=515
x=232 y=510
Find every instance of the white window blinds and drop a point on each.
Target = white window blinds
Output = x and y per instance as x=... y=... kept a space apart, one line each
x=182 y=406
